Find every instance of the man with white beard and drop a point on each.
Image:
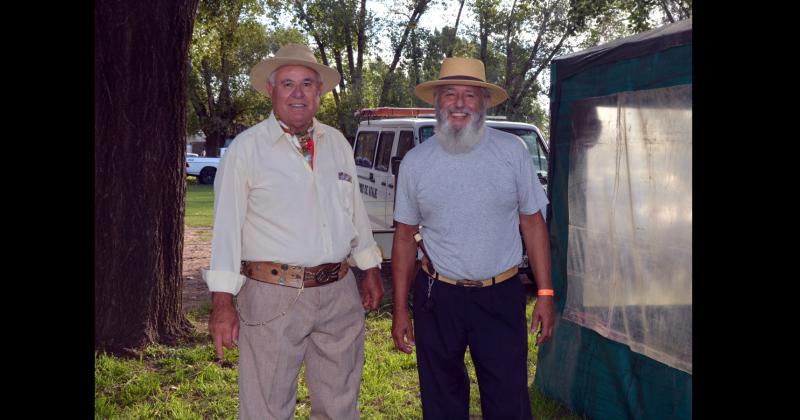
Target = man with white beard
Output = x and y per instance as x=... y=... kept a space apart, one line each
x=462 y=197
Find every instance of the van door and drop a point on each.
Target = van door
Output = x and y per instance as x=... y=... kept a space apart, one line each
x=383 y=180
x=366 y=145
x=405 y=142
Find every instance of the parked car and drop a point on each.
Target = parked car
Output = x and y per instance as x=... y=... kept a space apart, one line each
x=204 y=168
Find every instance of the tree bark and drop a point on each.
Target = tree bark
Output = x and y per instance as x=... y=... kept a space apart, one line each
x=141 y=52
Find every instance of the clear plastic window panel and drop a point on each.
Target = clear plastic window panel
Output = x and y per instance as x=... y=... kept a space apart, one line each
x=629 y=264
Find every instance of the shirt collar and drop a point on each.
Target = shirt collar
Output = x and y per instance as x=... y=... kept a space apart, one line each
x=276 y=132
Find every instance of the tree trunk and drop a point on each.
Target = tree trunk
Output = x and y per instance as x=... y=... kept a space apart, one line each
x=140 y=180
x=416 y=14
x=361 y=37
x=449 y=52
x=483 y=30
x=215 y=139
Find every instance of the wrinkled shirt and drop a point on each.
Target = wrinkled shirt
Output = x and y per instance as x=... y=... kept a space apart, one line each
x=269 y=205
x=468 y=205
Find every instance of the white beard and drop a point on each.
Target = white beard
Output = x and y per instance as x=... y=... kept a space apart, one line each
x=457 y=141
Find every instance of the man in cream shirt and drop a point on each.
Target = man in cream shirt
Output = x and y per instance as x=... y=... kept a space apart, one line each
x=288 y=221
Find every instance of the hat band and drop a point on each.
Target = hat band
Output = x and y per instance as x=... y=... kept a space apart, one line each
x=462 y=78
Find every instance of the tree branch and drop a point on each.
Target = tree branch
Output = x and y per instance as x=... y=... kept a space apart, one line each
x=453 y=38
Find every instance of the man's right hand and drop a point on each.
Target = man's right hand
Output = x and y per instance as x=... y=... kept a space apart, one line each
x=224 y=322
x=402 y=331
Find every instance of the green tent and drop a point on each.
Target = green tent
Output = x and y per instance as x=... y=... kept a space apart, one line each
x=620 y=223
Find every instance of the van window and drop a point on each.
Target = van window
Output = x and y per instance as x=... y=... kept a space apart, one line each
x=530 y=137
x=365 y=148
x=425 y=132
x=405 y=143
x=384 y=151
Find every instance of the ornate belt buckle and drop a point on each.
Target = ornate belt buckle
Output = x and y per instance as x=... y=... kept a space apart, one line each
x=327 y=274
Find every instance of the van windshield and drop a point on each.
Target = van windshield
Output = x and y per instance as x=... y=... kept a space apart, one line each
x=538 y=155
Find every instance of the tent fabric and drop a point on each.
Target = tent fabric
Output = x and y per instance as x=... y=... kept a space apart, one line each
x=592 y=374
x=659 y=39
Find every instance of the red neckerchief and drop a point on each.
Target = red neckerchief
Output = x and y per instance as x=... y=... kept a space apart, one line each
x=305 y=141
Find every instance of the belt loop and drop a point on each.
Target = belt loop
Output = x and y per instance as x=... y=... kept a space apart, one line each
x=492 y=280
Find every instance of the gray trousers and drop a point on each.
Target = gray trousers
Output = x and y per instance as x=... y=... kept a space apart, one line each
x=324 y=328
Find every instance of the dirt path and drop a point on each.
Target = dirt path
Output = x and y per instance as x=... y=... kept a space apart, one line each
x=197 y=255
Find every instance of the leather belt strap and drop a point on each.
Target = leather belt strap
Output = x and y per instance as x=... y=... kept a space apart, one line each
x=427 y=267
x=294 y=275
x=505 y=275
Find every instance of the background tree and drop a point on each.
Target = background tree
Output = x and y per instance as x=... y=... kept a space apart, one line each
x=519 y=38
x=613 y=19
x=426 y=52
x=454 y=33
x=228 y=40
x=412 y=10
x=140 y=121
x=340 y=33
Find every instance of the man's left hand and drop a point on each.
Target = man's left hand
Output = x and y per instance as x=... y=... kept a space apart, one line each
x=543 y=317
x=372 y=289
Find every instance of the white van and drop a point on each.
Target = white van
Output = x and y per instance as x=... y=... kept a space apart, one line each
x=381 y=142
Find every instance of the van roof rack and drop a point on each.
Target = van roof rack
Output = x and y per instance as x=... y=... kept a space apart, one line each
x=387 y=112
x=392 y=112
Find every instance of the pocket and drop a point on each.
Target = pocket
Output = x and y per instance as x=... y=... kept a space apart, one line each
x=260 y=302
x=346 y=191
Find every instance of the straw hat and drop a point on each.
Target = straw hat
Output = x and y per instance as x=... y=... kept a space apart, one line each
x=461 y=71
x=292 y=54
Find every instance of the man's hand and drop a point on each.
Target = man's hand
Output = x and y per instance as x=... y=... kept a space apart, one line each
x=543 y=317
x=372 y=289
x=402 y=330
x=224 y=322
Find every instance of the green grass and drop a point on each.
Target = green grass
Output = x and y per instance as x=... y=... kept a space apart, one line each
x=199 y=205
x=185 y=382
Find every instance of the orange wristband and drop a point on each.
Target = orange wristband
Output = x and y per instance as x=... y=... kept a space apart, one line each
x=545 y=292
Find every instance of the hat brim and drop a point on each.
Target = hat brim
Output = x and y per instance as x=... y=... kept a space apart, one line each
x=426 y=90
x=259 y=74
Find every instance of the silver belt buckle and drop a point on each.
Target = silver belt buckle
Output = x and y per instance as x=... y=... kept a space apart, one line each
x=469 y=283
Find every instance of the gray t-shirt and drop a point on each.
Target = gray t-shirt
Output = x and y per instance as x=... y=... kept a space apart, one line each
x=469 y=204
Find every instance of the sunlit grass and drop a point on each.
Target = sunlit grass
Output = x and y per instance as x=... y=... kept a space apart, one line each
x=185 y=381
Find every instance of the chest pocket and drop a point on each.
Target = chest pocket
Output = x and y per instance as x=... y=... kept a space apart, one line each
x=345 y=189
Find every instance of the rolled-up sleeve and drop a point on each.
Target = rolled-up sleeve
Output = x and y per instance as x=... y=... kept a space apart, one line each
x=230 y=205
x=530 y=193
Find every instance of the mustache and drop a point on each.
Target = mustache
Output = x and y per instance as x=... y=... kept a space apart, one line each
x=461 y=110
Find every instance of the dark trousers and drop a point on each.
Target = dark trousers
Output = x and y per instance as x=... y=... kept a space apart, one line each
x=491 y=321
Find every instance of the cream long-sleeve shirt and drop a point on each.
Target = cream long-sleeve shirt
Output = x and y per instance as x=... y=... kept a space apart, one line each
x=270 y=206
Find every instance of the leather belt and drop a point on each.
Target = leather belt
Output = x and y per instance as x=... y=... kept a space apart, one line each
x=505 y=275
x=427 y=267
x=294 y=275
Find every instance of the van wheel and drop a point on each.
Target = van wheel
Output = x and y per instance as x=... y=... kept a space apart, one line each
x=207 y=175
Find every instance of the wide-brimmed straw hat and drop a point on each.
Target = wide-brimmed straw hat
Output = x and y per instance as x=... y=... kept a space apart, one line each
x=461 y=71
x=292 y=54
